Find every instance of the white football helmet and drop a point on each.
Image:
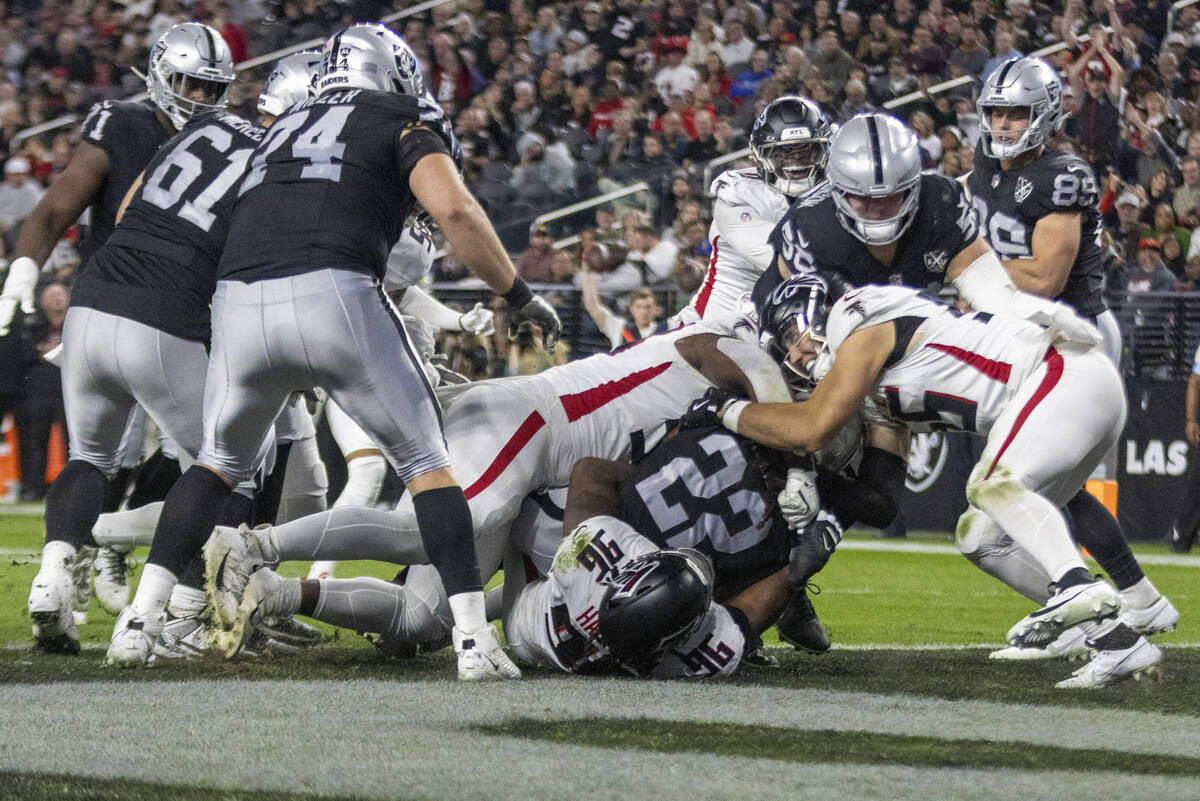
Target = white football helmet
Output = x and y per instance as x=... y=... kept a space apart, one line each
x=1021 y=83
x=293 y=79
x=370 y=56
x=188 y=57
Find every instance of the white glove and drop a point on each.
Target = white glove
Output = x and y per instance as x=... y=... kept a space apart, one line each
x=18 y=289
x=798 y=500
x=478 y=321
x=1063 y=319
x=54 y=355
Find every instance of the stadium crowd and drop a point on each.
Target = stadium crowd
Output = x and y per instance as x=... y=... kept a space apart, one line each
x=555 y=102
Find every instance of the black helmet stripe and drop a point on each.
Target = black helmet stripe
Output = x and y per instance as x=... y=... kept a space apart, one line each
x=876 y=149
x=212 y=45
x=1008 y=65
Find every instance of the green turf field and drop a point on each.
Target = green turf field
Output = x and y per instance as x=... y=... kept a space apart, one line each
x=907 y=705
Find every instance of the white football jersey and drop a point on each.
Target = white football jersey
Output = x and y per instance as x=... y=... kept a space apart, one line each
x=959 y=371
x=745 y=212
x=411 y=258
x=554 y=620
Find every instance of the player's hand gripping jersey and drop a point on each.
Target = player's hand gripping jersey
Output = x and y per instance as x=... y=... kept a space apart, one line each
x=555 y=620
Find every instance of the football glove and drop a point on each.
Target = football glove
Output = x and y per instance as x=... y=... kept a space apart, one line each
x=479 y=321
x=814 y=545
x=704 y=411
x=540 y=312
x=18 y=290
x=798 y=500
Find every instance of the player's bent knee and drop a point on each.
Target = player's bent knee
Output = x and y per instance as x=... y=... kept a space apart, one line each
x=107 y=464
x=977 y=534
x=992 y=485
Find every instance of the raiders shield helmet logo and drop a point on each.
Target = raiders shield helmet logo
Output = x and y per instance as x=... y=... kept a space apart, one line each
x=935 y=261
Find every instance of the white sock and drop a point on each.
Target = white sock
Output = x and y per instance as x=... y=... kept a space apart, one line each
x=1140 y=595
x=58 y=555
x=123 y=531
x=186 y=601
x=364 y=480
x=153 y=590
x=469 y=611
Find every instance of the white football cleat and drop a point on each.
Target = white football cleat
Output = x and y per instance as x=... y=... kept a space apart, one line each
x=290 y=631
x=111 y=579
x=1156 y=618
x=185 y=638
x=50 y=612
x=132 y=643
x=267 y=596
x=1108 y=667
x=230 y=556
x=481 y=657
x=1070 y=645
x=81 y=579
x=1079 y=603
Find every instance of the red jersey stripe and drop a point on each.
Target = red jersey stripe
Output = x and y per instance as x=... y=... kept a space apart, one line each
x=709 y=279
x=1054 y=369
x=532 y=424
x=997 y=371
x=584 y=403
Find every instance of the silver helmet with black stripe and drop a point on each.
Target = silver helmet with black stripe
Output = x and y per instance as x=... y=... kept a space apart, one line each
x=874 y=173
x=293 y=79
x=189 y=59
x=1025 y=83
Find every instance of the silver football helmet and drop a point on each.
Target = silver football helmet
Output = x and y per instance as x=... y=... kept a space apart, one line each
x=188 y=57
x=293 y=79
x=1021 y=83
x=873 y=157
x=370 y=56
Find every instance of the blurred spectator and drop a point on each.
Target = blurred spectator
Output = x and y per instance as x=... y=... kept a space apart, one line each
x=1127 y=227
x=1150 y=274
x=1160 y=189
x=644 y=314
x=1185 y=198
x=1164 y=227
x=738 y=47
x=970 y=57
x=675 y=78
x=575 y=60
x=602 y=113
x=703 y=42
x=1190 y=282
x=1095 y=126
x=18 y=195
x=1002 y=51
x=898 y=81
x=746 y=83
x=924 y=56
x=43 y=388
x=545 y=174
x=856 y=101
x=536 y=262
x=545 y=37
x=832 y=61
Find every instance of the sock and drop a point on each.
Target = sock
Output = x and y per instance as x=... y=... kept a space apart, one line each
x=193 y=575
x=154 y=480
x=364 y=479
x=469 y=610
x=1098 y=531
x=187 y=519
x=153 y=590
x=449 y=539
x=114 y=489
x=186 y=601
x=128 y=529
x=1141 y=595
x=238 y=509
x=1073 y=577
x=74 y=503
x=58 y=555
x=266 y=500
x=1118 y=638
x=352 y=532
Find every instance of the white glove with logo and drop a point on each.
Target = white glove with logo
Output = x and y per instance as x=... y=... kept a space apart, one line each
x=18 y=289
x=479 y=321
x=1059 y=317
x=798 y=500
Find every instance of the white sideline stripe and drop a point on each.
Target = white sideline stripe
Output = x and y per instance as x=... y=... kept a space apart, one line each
x=1172 y=560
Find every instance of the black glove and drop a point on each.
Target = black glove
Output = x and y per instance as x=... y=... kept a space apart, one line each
x=541 y=313
x=814 y=545
x=703 y=411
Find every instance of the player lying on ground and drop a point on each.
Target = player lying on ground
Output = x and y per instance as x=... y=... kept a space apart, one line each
x=910 y=361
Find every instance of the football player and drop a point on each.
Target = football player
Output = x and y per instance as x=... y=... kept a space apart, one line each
x=298 y=305
x=135 y=332
x=1037 y=208
x=910 y=361
x=789 y=145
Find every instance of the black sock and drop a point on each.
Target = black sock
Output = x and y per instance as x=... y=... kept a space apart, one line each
x=154 y=480
x=1074 y=576
x=449 y=538
x=237 y=510
x=73 y=503
x=114 y=491
x=191 y=511
x=1120 y=638
x=193 y=575
x=266 y=500
x=1097 y=530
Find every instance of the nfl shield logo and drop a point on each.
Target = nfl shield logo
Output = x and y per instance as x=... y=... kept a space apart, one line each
x=1024 y=187
x=745 y=216
x=995 y=180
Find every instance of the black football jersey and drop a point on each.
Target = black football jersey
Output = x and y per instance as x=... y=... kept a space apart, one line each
x=130 y=133
x=159 y=267
x=327 y=188
x=704 y=489
x=810 y=238
x=1010 y=202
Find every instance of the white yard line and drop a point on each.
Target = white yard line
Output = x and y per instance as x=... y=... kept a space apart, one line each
x=893 y=546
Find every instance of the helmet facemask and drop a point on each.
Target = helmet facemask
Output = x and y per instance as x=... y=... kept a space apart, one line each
x=888 y=227
x=792 y=168
x=793 y=331
x=190 y=73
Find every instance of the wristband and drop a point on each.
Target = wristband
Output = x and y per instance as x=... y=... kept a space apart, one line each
x=518 y=295
x=733 y=410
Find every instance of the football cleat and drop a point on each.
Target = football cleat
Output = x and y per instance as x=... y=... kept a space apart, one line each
x=1117 y=664
x=1070 y=645
x=321 y=570
x=290 y=631
x=185 y=638
x=1156 y=618
x=230 y=556
x=81 y=579
x=110 y=575
x=267 y=596
x=1070 y=606
x=133 y=639
x=50 y=612
x=800 y=627
x=260 y=644
x=481 y=657
x=1181 y=542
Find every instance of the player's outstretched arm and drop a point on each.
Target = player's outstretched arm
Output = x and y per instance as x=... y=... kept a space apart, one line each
x=63 y=202
x=594 y=490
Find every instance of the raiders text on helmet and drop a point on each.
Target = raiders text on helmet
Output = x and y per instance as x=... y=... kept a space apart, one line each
x=188 y=57
x=875 y=156
x=370 y=56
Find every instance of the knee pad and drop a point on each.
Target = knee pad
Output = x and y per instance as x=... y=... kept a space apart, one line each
x=988 y=487
x=976 y=533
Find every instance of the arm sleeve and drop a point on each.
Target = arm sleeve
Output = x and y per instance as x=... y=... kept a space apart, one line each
x=419 y=304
